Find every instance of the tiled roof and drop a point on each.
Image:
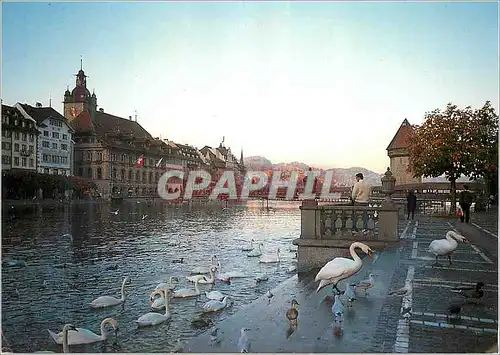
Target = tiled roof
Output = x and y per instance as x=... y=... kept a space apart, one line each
x=82 y=123
x=105 y=123
x=39 y=114
x=400 y=139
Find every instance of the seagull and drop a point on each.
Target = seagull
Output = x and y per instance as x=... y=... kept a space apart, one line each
x=115 y=212
x=350 y=294
x=366 y=284
x=243 y=343
x=403 y=291
x=144 y=216
x=470 y=292
x=338 y=309
x=214 y=336
x=269 y=295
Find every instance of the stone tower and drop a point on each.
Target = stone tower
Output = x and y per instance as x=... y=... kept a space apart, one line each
x=79 y=98
x=397 y=151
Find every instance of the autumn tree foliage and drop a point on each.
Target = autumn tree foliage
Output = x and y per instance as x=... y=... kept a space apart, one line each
x=456 y=142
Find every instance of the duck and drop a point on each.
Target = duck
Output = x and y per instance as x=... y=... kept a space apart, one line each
x=106 y=301
x=84 y=336
x=203 y=279
x=215 y=305
x=187 y=292
x=243 y=342
x=455 y=308
x=154 y=318
x=203 y=269
x=256 y=252
x=170 y=285
x=292 y=313
x=178 y=261
x=214 y=336
x=214 y=295
x=248 y=247
x=367 y=283
x=446 y=247
x=269 y=259
x=341 y=268
x=15 y=262
x=470 y=292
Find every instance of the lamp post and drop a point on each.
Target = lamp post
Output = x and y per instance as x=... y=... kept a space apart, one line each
x=388 y=184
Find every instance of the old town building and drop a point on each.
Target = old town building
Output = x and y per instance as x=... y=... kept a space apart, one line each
x=55 y=143
x=19 y=139
x=397 y=150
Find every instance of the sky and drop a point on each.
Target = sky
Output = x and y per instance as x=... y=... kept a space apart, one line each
x=325 y=83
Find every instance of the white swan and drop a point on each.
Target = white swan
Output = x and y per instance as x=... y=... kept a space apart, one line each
x=248 y=247
x=203 y=269
x=64 y=333
x=227 y=276
x=84 y=336
x=256 y=251
x=203 y=279
x=106 y=301
x=268 y=259
x=154 y=318
x=341 y=268
x=157 y=303
x=445 y=247
x=170 y=285
x=186 y=292
x=215 y=305
x=214 y=295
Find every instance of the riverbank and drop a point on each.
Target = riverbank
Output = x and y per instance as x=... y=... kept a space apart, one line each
x=375 y=323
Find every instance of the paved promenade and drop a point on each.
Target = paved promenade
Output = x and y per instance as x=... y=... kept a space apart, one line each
x=375 y=323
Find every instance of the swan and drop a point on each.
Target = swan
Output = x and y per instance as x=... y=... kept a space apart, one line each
x=268 y=259
x=84 y=336
x=154 y=318
x=186 y=292
x=106 y=301
x=214 y=295
x=170 y=285
x=248 y=247
x=158 y=303
x=341 y=268
x=445 y=247
x=215 y=305
x=256 y=252
x=202 y=269
x=227 y=276
x=65 y=331
x=203 y=279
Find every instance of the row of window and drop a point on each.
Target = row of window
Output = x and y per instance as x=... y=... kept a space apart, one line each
x=122 y=176
x=56 y=135
x=46 y=144
x=56 y=171
x=46 y=158
x=18 y=147
x=18 y=122
x=25 y=162
x=56 y=123
x=18 y=136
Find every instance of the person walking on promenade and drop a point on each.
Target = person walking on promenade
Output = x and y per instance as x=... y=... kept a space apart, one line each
x=360 y=196
x=465 y=200
x=411 y=204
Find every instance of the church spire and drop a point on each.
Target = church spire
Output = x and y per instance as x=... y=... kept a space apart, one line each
x=241 y=157
x=81 y=61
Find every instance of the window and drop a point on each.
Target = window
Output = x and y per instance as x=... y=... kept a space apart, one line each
x=6 y=159
x=80 y=171
x=150 y=177
x=54 y=145
x=45 y=133
x=55 y=172
x=32 y=149
x=16 y=161
x=123 y=174
x=55 y=134
x=32 y=162
x=114 y=173
x=65 y=136
x=99 y=156
x=32 y=137
x=89 y=172
x=24 y=148
x=46 y=170
x=143 y=176
x=16 y=123
x=137 y=176
x=25 y=137
x=24 y=124
x=89 y=156
x=99 y=173
x=45 y=144
x=16 y=147
x=16 y=135
x=24 y=162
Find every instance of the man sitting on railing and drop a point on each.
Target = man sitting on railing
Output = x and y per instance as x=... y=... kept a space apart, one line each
x=360 y=196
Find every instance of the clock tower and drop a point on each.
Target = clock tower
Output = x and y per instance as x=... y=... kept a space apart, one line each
x=79 y=98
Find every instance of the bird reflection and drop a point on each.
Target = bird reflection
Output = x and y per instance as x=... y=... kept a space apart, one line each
x=291 y=328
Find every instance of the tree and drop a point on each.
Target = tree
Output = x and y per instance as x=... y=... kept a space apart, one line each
x=442 y=145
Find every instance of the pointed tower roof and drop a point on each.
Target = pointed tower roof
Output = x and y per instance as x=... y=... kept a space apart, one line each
x=400 y=139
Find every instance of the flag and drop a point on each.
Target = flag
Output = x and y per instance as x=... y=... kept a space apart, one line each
x=159 y=162
x=140 y=161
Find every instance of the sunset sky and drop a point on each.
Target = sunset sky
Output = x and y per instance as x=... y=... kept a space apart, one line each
x=327 y=84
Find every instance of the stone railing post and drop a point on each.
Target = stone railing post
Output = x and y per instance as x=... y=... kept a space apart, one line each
x=388 y=220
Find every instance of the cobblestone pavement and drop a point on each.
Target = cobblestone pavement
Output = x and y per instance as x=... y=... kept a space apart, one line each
x=375 y=323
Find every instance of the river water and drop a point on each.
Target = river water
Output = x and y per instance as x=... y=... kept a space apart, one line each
x=69 y=250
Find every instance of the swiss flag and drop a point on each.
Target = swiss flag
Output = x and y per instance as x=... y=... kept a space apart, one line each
x=140 y=161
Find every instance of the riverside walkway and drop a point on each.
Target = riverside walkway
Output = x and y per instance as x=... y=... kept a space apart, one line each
x=375 y=323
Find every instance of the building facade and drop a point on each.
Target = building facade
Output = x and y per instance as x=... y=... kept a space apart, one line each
x=397 y=150
x=19 y=139
x=55 y=142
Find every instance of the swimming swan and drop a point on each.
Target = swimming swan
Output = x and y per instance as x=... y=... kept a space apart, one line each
x=186 y=292
x=268 y=259
x=170 y=285
x=106 y=301
x=202 y=269
x=215 y=305
x=341 y=268
x=84 y=336
x=256 y=251
x=154 y=318
x=203 y=279
x=248 y=247
x=214 y=295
